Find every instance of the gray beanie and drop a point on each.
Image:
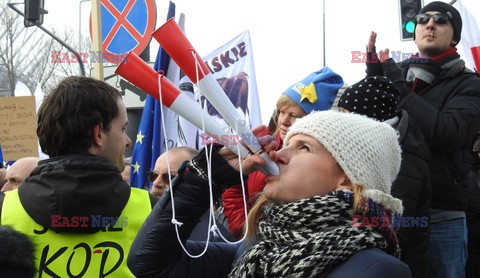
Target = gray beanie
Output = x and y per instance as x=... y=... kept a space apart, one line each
x=367 y=150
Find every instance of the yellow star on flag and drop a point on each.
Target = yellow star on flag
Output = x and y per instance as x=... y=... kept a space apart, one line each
x=136 y=166
x=140 y=137
x=309 y=93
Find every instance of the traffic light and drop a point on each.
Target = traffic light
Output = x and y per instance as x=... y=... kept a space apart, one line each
x=408 y=10
x=34 y=12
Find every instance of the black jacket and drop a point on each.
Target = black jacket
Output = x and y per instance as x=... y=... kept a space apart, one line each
x=473 y=212
x=413 y=187
x=448 y=113
x=473 y=220
x=73 y=185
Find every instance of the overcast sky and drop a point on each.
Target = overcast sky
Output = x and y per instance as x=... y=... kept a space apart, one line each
x=287 y=36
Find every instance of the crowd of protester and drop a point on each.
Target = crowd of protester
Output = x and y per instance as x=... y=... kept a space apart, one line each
x=384 y=183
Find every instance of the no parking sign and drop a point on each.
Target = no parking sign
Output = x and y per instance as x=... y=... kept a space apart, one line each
x=126 y=26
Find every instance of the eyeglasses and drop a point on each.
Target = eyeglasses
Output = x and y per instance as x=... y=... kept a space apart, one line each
x=152 y=176
x=437 y=18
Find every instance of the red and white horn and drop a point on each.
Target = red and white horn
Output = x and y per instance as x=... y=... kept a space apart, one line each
x=176 y=44
x=140 y=74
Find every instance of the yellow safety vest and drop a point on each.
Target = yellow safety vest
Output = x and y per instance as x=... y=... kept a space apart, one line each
x=101 y=254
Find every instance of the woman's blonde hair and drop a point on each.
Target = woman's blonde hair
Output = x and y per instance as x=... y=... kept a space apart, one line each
x=357 y=197
x=256 y=213
x=283 y=101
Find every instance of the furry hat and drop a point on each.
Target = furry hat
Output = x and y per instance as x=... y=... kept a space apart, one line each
x=453 y=14
x=375 y=97
x=367 y=150
x=317 y=91
x=17 y=255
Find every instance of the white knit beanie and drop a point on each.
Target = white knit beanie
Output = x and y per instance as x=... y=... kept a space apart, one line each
x=367 y=150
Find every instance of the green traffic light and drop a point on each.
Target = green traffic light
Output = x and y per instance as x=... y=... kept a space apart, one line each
x=410 y=27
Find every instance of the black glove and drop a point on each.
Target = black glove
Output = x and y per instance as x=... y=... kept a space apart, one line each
x=393 y=72
x=373 y=64
x=223 y=174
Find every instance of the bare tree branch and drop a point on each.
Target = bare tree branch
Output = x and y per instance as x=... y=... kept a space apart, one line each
x=25 y=54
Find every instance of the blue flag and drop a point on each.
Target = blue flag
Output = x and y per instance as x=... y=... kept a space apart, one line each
x=149 y=139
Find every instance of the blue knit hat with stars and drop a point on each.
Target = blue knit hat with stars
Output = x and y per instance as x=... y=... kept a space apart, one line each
x=375 y=97
x=317 y=91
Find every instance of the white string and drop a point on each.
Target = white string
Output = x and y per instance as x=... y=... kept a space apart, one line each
x=208 y=155
x=165 y=139
x=214 y=228
x=174 y=221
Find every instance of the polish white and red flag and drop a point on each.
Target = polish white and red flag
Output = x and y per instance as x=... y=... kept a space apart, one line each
x=470 y=32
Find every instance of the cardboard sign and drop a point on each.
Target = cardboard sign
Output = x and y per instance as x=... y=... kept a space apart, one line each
x=18 y=127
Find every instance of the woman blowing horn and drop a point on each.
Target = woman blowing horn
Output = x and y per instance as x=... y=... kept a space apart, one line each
x=333 y=167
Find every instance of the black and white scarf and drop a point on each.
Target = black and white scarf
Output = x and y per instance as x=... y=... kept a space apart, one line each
x=309 y=237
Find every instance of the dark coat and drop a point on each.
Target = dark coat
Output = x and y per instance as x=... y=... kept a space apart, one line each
x=473 y=220
x=413 y=187
x=448 y=113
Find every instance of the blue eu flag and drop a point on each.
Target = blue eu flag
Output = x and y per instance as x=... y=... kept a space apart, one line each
x=149 y=139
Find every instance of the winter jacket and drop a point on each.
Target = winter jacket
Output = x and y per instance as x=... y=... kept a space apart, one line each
x=63 y=190
x=157 y=253
x=413 y=187
x=448 y=113
x=473 y=220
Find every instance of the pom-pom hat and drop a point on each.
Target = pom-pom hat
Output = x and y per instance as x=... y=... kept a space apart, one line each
x=367 y=150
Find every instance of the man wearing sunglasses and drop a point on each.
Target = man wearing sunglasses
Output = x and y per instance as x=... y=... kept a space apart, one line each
x=443 y=98
x=159 y=175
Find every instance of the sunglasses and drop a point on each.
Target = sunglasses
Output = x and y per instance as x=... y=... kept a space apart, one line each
x=437 y=18
x=152 y=176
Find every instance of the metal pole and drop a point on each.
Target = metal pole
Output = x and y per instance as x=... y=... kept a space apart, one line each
x=452 y=2
x=82 y=69
x=80 y=23
x=324 y=56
